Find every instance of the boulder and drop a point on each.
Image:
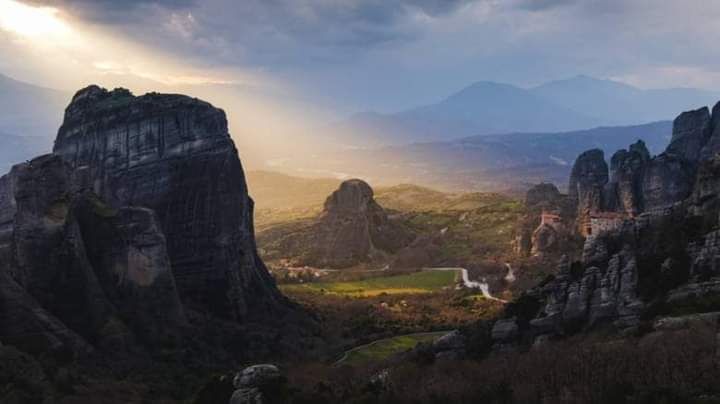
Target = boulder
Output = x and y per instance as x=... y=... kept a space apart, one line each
x=258 y=384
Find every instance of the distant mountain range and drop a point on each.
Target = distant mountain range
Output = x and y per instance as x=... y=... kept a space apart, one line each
x=29 y=120
x=488 y=136
x=510 y=162
x=486 y=108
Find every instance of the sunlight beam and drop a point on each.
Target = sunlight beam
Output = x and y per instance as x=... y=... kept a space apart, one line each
x=29 y=21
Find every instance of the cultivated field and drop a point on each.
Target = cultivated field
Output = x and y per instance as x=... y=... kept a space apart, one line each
x=417 y=282
x=385 y=348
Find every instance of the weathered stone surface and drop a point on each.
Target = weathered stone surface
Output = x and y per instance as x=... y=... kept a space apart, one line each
x=128 y=253
x=257 y=376
x=624 y=192
x=87 y=273
x=587 y=182
x=691 y=131
x=257 y=384
x=667 y=179
x=140 y=216
x=712 y=146
x=173 y=154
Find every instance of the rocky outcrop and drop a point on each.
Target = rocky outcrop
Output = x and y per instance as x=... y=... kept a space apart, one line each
x=173 y=154
x=712 y=145
x=140 y=216
x=624 y=191
x=660 y=258
x=587 y=183
x=352 y=229
x=637 y=182
x=258 y=384
x=691 y=131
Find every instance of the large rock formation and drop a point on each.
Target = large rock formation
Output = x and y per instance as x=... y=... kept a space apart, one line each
x=173 y=154
x=352 y=229
x=661 y=257
x=139 y=216
x=636 y=182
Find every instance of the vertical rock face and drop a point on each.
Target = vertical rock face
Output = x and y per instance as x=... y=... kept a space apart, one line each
x=139 y=217
x=627 y=168
x=712 y=146
x=80 y=273
x=691 y=131
x=666 y=180
x=173 y=154
x=587 y=183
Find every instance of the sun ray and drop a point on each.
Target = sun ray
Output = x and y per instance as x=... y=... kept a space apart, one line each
x=29 y=21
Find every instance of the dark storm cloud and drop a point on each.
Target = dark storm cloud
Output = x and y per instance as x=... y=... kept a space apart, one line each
x=111 y=11
x=365 y=11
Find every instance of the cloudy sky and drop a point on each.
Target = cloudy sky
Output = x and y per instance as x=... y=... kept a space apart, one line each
x=353 y=55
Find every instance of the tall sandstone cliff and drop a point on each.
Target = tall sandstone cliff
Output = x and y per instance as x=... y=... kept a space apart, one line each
x=140 y=216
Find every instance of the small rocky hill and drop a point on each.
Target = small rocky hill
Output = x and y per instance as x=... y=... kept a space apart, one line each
x=352 y=229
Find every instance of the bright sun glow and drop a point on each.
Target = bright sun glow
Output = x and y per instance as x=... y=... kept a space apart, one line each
x=31 y=21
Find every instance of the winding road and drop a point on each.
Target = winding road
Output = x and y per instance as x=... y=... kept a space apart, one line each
x=483 y=285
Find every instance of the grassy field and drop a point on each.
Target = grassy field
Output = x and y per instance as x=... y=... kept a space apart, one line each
x=417 y=282
x=383 y=349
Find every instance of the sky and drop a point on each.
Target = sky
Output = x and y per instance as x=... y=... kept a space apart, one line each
x=284 y=68
x=356 y=55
